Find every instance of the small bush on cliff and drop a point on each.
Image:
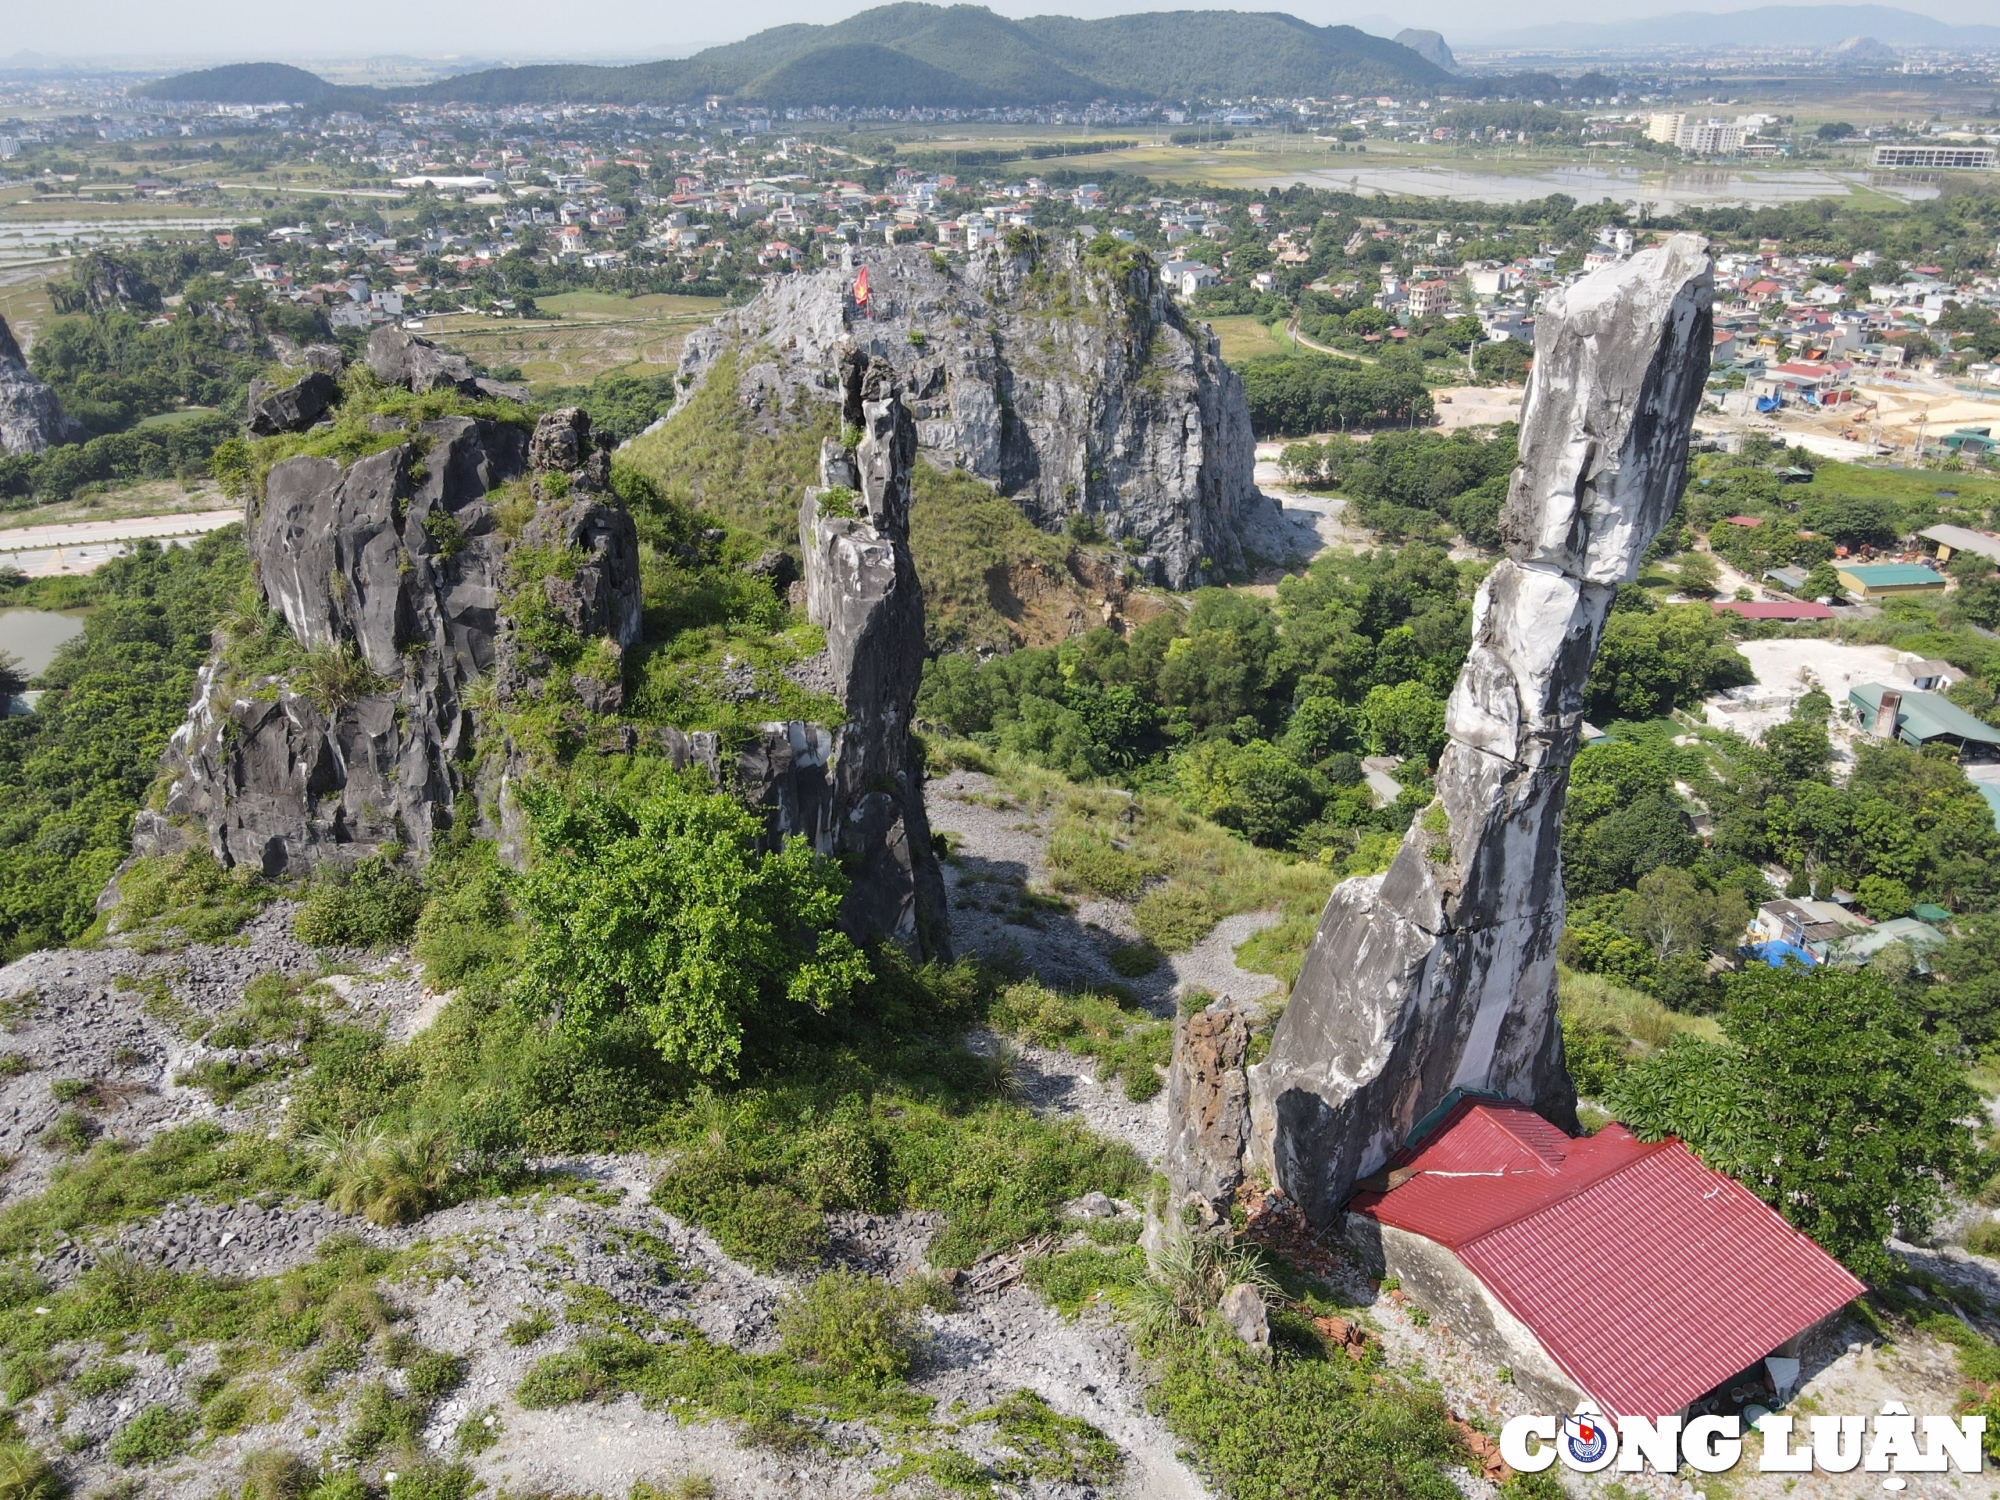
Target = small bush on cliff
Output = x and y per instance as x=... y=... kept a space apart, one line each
x=854 y=1327
x=373 y=905
x=662 y=906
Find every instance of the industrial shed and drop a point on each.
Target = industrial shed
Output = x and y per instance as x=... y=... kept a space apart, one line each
x=1922 y=719
x=1602 y=1267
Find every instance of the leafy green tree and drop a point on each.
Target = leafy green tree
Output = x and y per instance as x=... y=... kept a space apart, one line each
x=1822 y=582
x=1678 y=918
x=1650 y=664
x=663 y=906
x=1405 y=720
x=1257 y=789
x=1827 y=1099
x=1699 y=574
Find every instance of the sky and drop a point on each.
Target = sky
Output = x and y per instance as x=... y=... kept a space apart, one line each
x=216 y=30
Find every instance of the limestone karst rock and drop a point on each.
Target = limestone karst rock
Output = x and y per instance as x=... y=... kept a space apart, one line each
x=31 y=419
x=398 y=357
x=1440 y=974
x=1067 y=378
x=1208 y=1110
x=861 y=588
x=291 y=408
x=395 y=575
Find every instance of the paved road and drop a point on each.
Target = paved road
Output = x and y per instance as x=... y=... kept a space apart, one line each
x=85 y=546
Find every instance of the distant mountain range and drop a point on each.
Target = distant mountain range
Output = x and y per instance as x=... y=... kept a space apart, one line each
x=1765 y=26
x=915 y=56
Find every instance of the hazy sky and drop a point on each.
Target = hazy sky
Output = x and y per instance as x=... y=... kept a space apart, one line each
x=653 y=28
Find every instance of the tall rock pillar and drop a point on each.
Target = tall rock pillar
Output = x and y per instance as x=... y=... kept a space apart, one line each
x=861 y=588
x=1440 y=974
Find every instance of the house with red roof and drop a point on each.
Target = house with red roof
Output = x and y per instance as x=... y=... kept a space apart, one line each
x=1600 y=1267
x=1773 y=609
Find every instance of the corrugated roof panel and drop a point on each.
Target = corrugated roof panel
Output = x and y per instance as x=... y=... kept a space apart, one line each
x=1657 y=1283
x=1649 y=1278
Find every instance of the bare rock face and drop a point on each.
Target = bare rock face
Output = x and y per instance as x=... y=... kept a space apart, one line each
x=293 y=408
x=31 y=419
x=1208 y=1109
x=1070 y=381
x=390 y=571
x=108 y=284
x=398 y=357
x=1440 y=974
x=861 y=588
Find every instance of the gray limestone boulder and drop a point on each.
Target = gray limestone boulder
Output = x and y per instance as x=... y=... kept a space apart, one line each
x=399 y=357
x=31 y=419
x=1208 y=1110
x=1440 y=974
x=1244 y=1311
x=293 y=408
x=1072 y=382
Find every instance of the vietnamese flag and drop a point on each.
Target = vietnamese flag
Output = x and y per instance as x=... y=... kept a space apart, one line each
x=861 y=288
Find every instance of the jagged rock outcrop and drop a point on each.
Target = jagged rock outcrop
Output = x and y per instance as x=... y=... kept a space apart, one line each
x=861 y=588
x=1069 y=380
x=1208 y=1111
x=425 y=625
x=31 y=419
x=291 y=408
x=389 y=570
x=107 y=284
x=398 y=357
x=1440 y=974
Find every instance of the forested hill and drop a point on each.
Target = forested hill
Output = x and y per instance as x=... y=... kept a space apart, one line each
x=916 y=55
x=253 y=83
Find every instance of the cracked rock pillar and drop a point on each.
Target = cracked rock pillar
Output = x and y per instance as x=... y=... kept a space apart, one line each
x=1440 y=974
x=861 y=588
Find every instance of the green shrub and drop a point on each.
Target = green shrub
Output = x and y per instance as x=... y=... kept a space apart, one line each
x=433 y=1375
x=1135 y=960
x=1984 y=1238
x=529 y=1328
x=430 y=1481
x=190 y=892
x=1044 y=1444
x=1082 y=857
x=1542 y=1486
x=1128 y=1044
x=372 y=905
x=382 y=1420
x=467 y=928
x=158 y=1433
x=72 y=1131
x=856 y=1327
x=763 y=1223
x=102 y=1379
x=1174 y=917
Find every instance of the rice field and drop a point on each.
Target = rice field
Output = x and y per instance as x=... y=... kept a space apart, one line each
x=591 y=334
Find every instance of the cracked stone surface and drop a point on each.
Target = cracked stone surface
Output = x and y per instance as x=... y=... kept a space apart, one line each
x=1440 y=974
x=1074 y=385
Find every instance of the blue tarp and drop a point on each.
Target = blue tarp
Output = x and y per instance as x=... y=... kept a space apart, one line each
x=1768 y=403
x=1775 y=954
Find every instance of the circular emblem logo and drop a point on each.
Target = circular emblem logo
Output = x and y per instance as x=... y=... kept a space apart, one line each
x=1587 y=1441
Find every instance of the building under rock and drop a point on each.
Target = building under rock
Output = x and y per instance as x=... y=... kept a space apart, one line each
x=1437 y=980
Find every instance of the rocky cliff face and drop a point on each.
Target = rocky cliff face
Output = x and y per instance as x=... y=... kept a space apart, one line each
x=861 y=588
x=31 y=419
x=1068 y=380
x=1440 y=974
x=424 y=622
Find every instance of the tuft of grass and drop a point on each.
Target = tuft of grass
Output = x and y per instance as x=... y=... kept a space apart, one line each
x=375 y=904
x=1174 y=917
x=530 y=1328
x=26 y=1475
x=388 y=1178
x=276 y=1474
x=1128 y=1043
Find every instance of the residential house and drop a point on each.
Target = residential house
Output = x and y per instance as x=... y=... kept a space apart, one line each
x=1430 y=299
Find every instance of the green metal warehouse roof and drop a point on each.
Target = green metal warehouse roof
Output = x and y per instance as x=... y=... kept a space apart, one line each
x=1926 y=716
x=1889 y=575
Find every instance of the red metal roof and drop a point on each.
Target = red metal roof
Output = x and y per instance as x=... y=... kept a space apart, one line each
x=1647 y=1277
x=1781 y=609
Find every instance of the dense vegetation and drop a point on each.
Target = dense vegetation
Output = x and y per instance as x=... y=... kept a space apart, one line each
x=73 y=772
